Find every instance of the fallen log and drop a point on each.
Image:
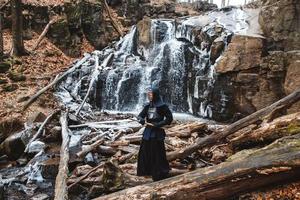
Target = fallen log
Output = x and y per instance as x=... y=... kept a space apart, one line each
x=43 y=34
x=61 y=191
x=217 y=136
x=268 y=132
x=88 y=148
x=243 y=172
x=55 y=81
x=41 y=128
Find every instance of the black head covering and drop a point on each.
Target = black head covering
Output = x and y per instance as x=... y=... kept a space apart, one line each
x=157 y=101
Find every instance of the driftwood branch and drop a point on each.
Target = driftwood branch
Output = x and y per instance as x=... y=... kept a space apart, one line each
x=54 y=82
x=215 y=137
x=61 y=191
x=245 y=171
x=43 y=34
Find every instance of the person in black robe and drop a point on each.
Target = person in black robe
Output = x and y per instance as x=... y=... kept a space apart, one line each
x=152 y=160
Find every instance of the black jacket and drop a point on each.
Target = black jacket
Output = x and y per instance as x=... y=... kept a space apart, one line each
x=158 y=114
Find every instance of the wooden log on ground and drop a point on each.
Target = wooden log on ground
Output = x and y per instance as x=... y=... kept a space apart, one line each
x=216 y=137
x=61 y=191
x=268 y=132
x=88 y=148
x=246 y=171
x=55 y=81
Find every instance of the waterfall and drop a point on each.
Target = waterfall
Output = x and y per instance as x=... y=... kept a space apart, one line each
x=178 y=60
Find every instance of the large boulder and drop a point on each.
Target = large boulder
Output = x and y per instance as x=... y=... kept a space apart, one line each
x=244 y=52
x=292 y=79
x=280 y=21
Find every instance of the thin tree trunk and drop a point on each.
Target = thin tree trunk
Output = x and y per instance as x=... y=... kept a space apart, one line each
x=1 y=39
x=17 y=28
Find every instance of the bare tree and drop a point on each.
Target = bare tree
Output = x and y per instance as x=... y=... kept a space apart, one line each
x=17 y=28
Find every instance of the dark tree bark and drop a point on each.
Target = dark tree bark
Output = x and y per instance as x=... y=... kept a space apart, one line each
x=17 y=28
x=1 y=39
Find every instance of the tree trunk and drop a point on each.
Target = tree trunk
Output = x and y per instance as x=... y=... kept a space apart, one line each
x=17 y=28
x=268 y=132
x=259 y=115
x=61 y=190
x=245 y=171
x=1 y=39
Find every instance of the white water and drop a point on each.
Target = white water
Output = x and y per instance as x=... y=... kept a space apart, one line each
x=173 y=61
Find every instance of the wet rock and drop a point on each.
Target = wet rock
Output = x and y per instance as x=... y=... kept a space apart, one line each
x=89 y=159
x=217 y=48
x=15 y=76
x=49 y=168
x=244 y=52
x=36 y=147
x=22 y=161
x=13 y=146
x=9 y=87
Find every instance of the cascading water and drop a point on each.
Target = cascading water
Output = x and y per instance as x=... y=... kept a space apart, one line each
x=177 y=60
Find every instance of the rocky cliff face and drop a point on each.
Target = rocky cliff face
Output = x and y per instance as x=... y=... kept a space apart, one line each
x=257 y=71
x=280 y=21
